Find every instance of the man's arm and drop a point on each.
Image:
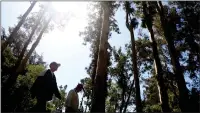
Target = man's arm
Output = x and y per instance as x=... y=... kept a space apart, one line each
x=56 y=91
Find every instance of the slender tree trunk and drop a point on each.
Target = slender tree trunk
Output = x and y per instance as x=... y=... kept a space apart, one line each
x=24 y=61
x=174 y=88
x=134 y=60
x=11 y=37
x=123 y=101
x=129 y=96
x=98 y=104
x=183 y=91
x=123 y=91
x=30 y=38
x=136 y=75
x=115 y=109
x=159 y=76
x=158 y=67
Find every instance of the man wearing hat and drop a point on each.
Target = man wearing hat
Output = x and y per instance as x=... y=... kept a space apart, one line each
x=44 y=87
x=72 y=101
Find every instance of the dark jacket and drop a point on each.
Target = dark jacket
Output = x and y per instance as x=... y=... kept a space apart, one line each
x=45 y=86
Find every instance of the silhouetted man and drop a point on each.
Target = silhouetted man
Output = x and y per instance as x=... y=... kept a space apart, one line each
x=72 y=101
x=44 y=87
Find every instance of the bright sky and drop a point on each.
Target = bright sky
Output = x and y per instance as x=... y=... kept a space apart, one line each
x=66 y=46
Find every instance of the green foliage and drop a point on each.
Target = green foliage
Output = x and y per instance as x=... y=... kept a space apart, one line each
x=9 y=59
x=56 y=105
x=28 y=80
x=3 y=34
x=87 y=82
x=152 y=108
x=151 y=101
x=25 y=82
x=113 y=99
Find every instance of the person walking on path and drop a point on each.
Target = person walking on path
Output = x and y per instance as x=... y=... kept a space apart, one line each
x=44 y=87
x=72 y=101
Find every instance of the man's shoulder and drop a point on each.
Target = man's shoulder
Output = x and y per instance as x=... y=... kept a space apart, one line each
x=43 y=72
x=71 y=91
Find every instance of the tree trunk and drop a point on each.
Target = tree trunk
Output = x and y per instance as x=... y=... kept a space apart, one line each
x=123 y=100
x=30 y=38
x=96 y=52
x=134 y=63
x=171 y=79
x=98 y=104
x=135 y=68
x=159 y=76
x=183 y=91
x=158 y=67
x=24 y=61
x=11 y=37
x=115 y=109
x=129 y=96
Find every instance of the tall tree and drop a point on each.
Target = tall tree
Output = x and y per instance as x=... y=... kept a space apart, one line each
x=98 y=104
x=121 y=74
x=38 y=21
x=131 y=24
x=12 y=79
x=93 y=36
x=149 y=12
x=187 y=37
x=168 y=23
x=24 y=61
x=187 y=44
x=11 y=37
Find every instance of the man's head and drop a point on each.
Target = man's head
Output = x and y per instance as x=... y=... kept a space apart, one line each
x=54 y=66
x=79 y=88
